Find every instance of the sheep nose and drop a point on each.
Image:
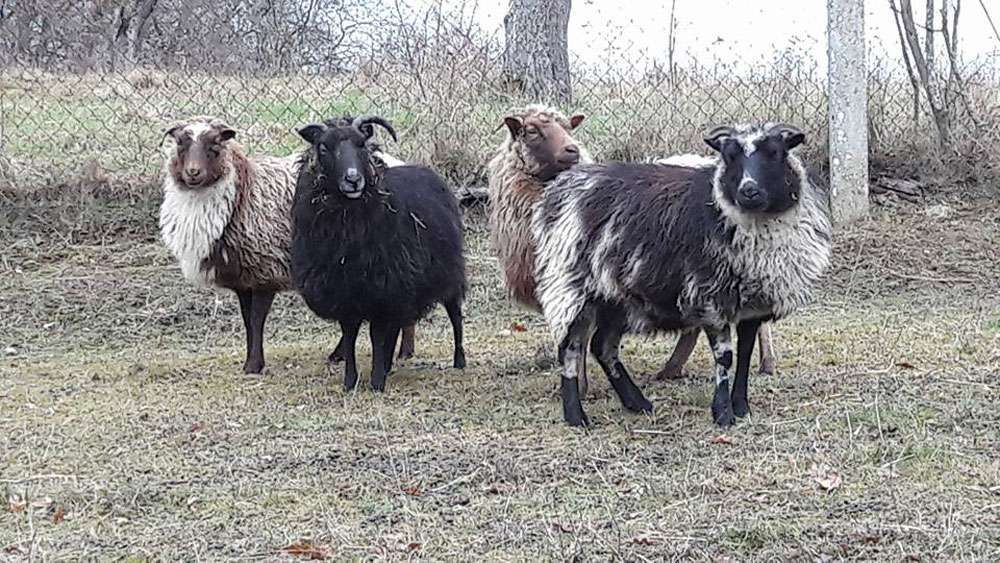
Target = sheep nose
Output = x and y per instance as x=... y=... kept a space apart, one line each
x=352 y=175
x=749 y=190
x=193 y=172
x=571 y=154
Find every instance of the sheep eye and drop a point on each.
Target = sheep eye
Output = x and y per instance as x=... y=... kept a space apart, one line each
x=531 y=132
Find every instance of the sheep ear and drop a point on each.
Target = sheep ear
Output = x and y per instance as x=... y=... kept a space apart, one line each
x=312 y=132
x=514 y=125
x=227 y=134
x=791 y=135
x=717 y=136
x=576 y=120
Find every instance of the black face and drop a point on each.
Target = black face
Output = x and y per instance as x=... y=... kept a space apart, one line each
x=342 y=156
x=757 y=177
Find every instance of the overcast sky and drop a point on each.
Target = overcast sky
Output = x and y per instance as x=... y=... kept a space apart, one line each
x=749 y=30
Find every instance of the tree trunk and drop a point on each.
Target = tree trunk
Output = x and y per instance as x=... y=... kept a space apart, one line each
x=144 y=10
x=536 y=58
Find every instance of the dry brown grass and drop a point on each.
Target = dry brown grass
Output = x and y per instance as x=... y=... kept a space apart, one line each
x=126 y=430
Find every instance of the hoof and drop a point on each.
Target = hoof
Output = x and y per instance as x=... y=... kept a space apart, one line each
x=767 y=367
x=577 y=419
x=459 y=361
x=253 y=368
x=741 y=408
x=335 y=357
x=378 y=388
x=639 y=404
x=723 y=416
x=350 y=383
x=669 y=372
x=405 y=353
x=722 y=410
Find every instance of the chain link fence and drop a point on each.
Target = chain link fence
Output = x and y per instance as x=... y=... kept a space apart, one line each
x=88 y=86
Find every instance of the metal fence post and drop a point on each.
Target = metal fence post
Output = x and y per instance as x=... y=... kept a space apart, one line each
x=848 y=114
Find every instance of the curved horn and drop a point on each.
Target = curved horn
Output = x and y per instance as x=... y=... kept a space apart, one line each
x=792 y=135
x=172 y=129
x=375 y=120
x=714 y=137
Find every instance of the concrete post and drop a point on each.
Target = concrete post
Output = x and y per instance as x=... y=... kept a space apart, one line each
x=847 y=92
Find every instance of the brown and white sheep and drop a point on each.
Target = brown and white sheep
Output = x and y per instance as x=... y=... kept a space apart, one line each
x=226 y=218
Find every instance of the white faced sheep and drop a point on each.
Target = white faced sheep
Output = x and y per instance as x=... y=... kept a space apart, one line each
x=226 y=217
x=647 y=247
x=374 y=243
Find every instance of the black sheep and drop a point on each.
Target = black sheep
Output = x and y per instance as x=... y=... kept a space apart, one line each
x=375 y=244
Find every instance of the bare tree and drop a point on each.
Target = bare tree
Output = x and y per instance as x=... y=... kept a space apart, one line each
x=938 y=111
x=536 y=56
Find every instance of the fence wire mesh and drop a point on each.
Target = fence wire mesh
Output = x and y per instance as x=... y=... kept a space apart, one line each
x=88 y=86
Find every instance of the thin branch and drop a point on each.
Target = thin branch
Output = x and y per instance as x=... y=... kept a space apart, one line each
x=909 y=66
x=990 y=19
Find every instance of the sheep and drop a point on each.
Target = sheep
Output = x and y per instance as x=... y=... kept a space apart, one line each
x=674 y=368
x=374 y=243
x=226 y=218
x=648 y=247
x=539 y=145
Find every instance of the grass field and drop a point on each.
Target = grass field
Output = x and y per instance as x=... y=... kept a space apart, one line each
x=128 y=432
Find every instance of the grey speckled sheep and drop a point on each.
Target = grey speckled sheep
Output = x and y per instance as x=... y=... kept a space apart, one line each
x=740 y=240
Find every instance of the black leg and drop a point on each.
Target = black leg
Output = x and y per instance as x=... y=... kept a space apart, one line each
x=722 y=351
x=605 y=345
x=407 y=345
x=746 y=336
x=454 y=308
x=337 y=355
x=377 y=332
x=260 y=306
x=389 y=348
x=246 y=310
x=573 y=357
x=349 y=329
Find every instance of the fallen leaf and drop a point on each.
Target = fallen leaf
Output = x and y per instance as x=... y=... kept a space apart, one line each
x=59 y=515
x=826 y=477
x=17 y=504
x=643 y=541
x=905 y=365
x=722 y=439
x=412 y=491
x=307 y=550
x=518 y=327
x=196 y=427
x=414 y=546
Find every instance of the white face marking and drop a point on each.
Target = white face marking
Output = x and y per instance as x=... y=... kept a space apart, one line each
x=197 y=129
x=749 y=141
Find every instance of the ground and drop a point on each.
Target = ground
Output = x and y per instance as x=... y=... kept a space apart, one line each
x=128 y=431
